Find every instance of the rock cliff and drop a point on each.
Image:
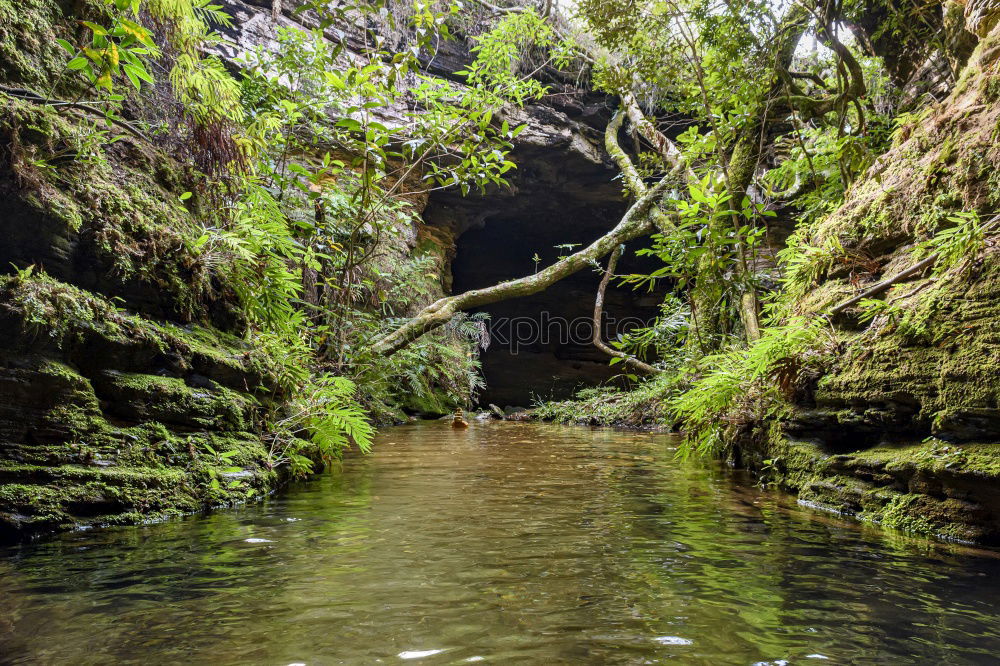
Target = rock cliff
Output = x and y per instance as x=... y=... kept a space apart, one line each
x=903 y=429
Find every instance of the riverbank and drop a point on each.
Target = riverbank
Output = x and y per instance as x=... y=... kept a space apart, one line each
x=875 y=391
x=925 y=486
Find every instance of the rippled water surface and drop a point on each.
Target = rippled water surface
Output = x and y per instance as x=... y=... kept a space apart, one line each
x=504 y=543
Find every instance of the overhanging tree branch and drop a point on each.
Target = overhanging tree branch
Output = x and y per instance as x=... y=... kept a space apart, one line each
x=636 y=222
x=639 y=220
x=633 y=181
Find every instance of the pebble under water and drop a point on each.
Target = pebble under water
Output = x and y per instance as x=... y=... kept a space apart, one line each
x=503 y=543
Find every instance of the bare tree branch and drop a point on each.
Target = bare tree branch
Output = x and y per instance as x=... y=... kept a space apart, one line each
x=35 y=98
x=915 y=269
x=629 y=361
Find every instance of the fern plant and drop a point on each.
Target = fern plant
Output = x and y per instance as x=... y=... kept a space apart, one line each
x=764 y=372
x=255 y=253
x=954 y=244
x=321 y=422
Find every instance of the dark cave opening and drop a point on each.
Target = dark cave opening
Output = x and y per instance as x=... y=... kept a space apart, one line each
x=565 y=192
x=541 y=344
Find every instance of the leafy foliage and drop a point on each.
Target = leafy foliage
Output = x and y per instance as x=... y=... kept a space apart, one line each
x=307 y=197
x=955 y=244
x=118 y=49
x=740 y=385
x=303 y=205
x=665 y=338
x=326 y=412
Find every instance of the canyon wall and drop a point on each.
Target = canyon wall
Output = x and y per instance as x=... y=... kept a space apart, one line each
x=903 y=429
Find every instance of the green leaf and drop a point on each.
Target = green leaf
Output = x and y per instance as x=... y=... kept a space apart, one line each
x=141 y=72
x=350 y=124
x=130 y=73
x=335 y=81
x=77 y=63
x=96 y=29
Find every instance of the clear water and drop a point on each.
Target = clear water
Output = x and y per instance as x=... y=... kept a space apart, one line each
x=505 y=543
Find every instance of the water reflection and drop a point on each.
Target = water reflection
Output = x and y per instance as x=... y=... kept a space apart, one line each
x=503 y=543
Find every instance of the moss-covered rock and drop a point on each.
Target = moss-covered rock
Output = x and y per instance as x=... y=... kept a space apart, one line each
x=903 y=428
x=103 y=215
x=932 y=488
x=29 y=54
x=107 y=417
x=126 y=389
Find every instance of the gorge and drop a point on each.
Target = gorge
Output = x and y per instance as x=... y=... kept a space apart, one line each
x=241 y=238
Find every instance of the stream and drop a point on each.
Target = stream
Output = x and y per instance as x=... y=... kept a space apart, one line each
x=503 y=543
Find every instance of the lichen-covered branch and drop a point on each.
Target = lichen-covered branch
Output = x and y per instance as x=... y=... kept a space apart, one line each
x=665 y=148
x=633 y=181
x=35 y=98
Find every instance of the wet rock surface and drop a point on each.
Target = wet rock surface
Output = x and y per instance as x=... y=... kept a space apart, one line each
x=118 y=418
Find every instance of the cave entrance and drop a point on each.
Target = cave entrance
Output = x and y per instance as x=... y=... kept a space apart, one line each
x=541 y=344
x=564 y=194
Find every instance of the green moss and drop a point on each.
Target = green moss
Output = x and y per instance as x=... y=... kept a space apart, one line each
x=169 y=398
x=933 y=358
x=900 y=513
x=53 y=310
x=135 y=227
x=60 y=311
x=905 y=486
x=211 y=348
x=42 y=497
x=70 y=494
x=29 y=55
x=116 y=446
